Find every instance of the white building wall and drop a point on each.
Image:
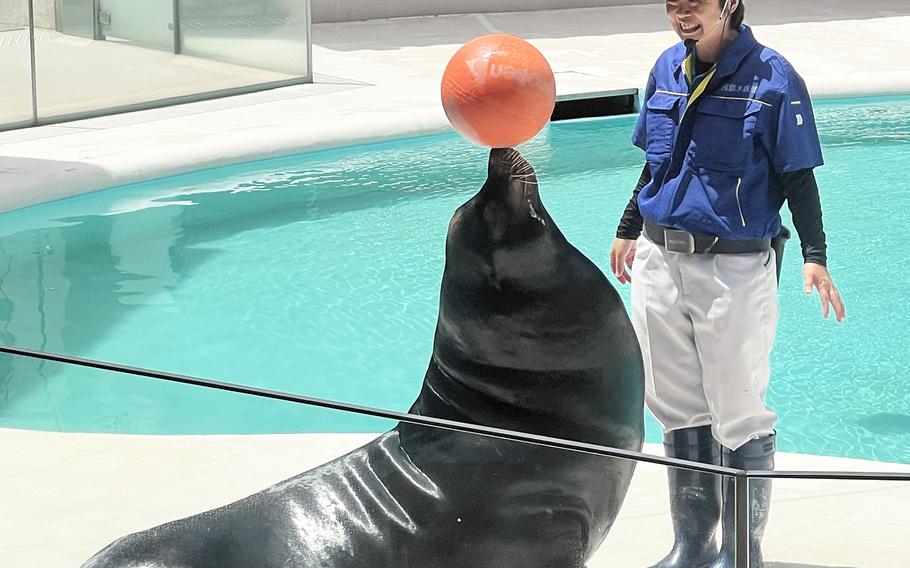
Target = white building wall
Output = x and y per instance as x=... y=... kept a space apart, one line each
x=350 y=10
x=14 y=14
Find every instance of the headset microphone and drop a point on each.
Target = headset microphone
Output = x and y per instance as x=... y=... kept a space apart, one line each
x=723 y=15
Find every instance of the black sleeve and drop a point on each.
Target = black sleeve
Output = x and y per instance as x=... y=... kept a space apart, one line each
x=631 y=222
x=801 y=191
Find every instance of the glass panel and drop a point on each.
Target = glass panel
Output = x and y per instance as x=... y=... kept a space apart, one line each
x=15 y=64
x=74 y=17
x=260 y=33
x=849 y=524
x=107 y=55
x=661 y=502
x=444 y=499
x=283 y=274
x=145 y=23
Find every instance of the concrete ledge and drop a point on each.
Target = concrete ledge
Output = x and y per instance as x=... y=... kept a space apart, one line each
x=65 y=496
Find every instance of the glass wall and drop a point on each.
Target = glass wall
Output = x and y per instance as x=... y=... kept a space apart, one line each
x=75 y=18
x=425 y=489
x=262 y=33
x=402 y=493
x=15 y=64
x=96 y=57
x=851 y=523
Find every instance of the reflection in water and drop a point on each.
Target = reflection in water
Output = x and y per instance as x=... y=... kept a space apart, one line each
x=885 y=423
x=62 y=291
x=29 y=316
x=6 y=313
x=311 y=274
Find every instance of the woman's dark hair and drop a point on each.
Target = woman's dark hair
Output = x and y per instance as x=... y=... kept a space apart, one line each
x=736 y=18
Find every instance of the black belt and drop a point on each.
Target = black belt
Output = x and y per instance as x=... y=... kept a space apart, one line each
x=680 y=241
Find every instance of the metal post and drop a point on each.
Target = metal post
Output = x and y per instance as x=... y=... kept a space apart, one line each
x=31 y=50
x=96 y=21
x=741 y=488
x=176 y=17
x=309 y=41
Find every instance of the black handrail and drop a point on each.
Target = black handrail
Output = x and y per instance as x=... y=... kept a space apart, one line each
x=832 y=475
x=377 y=412
x=453 y=425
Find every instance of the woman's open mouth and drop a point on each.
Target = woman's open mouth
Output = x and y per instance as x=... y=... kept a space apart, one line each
x=689 y=28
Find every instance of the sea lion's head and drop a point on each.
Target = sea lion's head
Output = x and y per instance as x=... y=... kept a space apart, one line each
x=509 y=163
x=512 y=175
x=509 y=201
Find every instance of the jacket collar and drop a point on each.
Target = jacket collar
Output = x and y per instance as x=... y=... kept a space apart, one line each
x=730 y=60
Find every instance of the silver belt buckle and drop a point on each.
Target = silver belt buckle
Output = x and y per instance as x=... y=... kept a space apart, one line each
x=679 y=241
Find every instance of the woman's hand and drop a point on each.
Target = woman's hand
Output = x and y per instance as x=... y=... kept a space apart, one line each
x=622 y=253
x=817 y=276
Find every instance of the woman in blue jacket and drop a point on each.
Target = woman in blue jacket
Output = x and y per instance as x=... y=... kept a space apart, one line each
x=729 y=135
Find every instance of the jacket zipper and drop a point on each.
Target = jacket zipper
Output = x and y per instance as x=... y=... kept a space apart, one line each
x=742 y=217
x=678 y=129
x=689 y=102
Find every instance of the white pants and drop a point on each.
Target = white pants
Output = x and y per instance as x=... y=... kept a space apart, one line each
x=706 y=324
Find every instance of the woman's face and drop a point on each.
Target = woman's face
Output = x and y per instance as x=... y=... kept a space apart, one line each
x=697 y=19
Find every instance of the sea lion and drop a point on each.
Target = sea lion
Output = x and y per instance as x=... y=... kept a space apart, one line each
x=530 y=337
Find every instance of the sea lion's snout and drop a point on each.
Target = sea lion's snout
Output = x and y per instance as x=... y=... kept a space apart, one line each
x=510 y=195
x=505 y=162
x=507 y=167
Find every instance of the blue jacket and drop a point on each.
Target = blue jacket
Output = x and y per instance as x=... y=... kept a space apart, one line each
x=715 y=160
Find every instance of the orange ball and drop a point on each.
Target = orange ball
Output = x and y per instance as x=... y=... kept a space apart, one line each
x=498 y=91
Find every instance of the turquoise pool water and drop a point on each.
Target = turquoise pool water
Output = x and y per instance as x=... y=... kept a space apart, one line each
x=319 y=274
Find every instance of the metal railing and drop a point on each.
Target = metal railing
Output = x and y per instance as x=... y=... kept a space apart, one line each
x=740 y=477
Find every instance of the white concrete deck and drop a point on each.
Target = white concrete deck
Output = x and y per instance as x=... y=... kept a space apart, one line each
x=65 y=496
x=380 y=79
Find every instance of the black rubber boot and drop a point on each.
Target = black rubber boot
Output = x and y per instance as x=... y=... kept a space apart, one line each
x=754 y=455
x=694 y=499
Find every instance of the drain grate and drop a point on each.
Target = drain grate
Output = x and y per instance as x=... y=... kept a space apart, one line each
x=594 y=106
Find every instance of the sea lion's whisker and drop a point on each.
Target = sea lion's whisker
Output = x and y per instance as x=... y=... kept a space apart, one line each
x=524 y=170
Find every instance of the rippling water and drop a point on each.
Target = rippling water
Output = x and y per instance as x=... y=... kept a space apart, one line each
x=319 y=274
